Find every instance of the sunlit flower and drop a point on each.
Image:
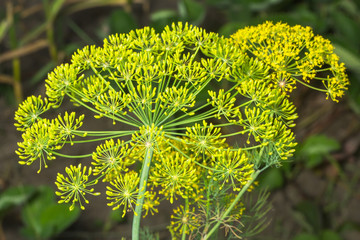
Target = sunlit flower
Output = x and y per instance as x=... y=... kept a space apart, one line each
x=39 y=142
x=124 y=191
x=175 y=174
x=231 y=167
x=295 y=55
x=151 y=202
x=66 y=125
x=181 y=94
x=112 y=158
x=75 y=185
x=29 y=112
x=204 y=138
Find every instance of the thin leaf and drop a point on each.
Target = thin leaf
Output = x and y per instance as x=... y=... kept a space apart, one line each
x=351 y=59
x=55 y=8
x=4 y=25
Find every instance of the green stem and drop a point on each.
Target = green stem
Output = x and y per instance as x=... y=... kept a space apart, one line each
x=142 y=189
x=184 y=228
x=71 y=156
x=309 y=86
x=233 y=204
x=17 y=80
x=51 y=41
x=16 y=64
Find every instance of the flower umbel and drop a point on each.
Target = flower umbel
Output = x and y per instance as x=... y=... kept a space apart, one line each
x=111 y=158
x=29 y=112
x=123 y=192
x=294 y=54
x=39 y=142
x=231 y=167
x=204 y=116
x=75 y=185
x=175 y=174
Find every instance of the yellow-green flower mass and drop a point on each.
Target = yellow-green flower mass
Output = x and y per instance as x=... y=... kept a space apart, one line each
x=182 y=94
x=294 y=55
x=74 y=186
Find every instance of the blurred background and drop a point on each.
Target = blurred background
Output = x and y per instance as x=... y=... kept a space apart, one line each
x=316 y=196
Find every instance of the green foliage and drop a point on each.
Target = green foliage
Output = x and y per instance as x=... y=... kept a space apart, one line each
x=330 y=235
x=155 y=84
x=187 y=11
x=325 y=235
x=146 y=234
x=255 y=215
x=272 y=179
x=306 y=236
x=121 y=21
x=191 y=11
x=43 y=218
x=315 y=148
x=13 y=197
x=310 y=216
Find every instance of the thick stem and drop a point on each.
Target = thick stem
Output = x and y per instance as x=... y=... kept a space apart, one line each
x=233 y=204
x=142 y=189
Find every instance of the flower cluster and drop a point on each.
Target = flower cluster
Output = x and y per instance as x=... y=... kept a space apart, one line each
x=43 y=137
x=74 y=187
x=294 y=55
x=189 y=99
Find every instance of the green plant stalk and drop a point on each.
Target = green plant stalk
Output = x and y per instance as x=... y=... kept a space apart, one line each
x=142 y=189
x=14 y=43
x=51 y=41
x=183 y=237
x=17 y=80
x=254 y=175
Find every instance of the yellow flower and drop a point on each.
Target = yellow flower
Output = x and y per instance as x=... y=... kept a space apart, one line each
x=112 y=158
x=39 y=142
x=124 y=191
x=74 y=186
x=294 y=55
x=29 y=112
x=231 y=166
x=175 y=174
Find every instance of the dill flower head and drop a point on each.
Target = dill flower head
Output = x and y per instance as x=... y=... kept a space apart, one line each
x=29 y=112
x=124 y=191
x=202 y=114
x=183 y=220
x=295 y=55
x=75 y=185
x=111 y=159
x=175 y=174
x=231 y=167
x=40 y=141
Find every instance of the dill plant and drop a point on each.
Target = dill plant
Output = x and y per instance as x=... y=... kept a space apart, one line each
x=182 y=93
